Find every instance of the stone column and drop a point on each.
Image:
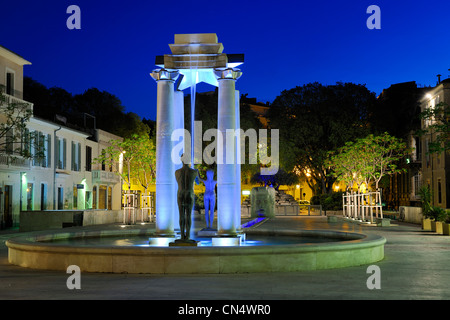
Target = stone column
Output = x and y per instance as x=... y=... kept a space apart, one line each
x=165 y=167
x=178 y=124
x=226 y=165
x=237 y=203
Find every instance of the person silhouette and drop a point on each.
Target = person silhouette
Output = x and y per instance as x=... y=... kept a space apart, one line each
x=185 y=177
x=209 y=198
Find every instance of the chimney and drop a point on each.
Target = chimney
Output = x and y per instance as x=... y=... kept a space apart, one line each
x=439 y=78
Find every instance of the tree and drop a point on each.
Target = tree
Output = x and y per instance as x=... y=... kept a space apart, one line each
x=348 y=165
x=368 y=159
x=136 y=155
x=437 y=125
x=315 y=119
x=14 y=136
x=107 y=109
x=144 y=165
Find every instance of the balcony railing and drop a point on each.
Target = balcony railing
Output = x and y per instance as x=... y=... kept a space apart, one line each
x=99 y=176
x=11 y=99
x=14 y=161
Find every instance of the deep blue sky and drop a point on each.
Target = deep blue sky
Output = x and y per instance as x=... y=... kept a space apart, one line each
x=286 y=43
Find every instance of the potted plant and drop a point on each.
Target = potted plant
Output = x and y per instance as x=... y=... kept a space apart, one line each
x=425 y=195
x=446 y=225
x=438 y=215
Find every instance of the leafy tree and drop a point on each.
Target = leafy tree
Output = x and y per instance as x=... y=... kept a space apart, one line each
x=138 y=155
x=348 y=165
x=14 y=136
x=437 y=125
x=109 y=113
x=368 y=160
x=144 y=165
x=426 y=197
x=315 y=119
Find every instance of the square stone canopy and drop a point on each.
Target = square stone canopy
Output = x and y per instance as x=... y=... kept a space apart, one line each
x=196 y=43
x=196 y=55
x=196 y=38
x=199 y=51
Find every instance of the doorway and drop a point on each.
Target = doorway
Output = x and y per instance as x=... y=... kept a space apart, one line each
x=8 y=207
x=43 y=196
x=30 y=198
x=60 y=198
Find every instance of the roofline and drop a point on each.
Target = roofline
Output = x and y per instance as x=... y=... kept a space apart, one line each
x=13 y=56
x=57 y=125
x=433 y=91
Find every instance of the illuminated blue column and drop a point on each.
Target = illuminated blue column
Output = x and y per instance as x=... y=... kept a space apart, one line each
x=226 y=165
x=178 y=124
x=165 y=167
x=237 y=197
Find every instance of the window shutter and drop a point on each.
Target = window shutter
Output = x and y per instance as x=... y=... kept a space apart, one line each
x=57 y=153
x=43 y=149
x=49 y=150
x=88 y=158
x=34 y=146
x=73 y=157
x=64 y=153
x=79 y=157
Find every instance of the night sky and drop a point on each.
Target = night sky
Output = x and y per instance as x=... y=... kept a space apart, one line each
x=286 y=43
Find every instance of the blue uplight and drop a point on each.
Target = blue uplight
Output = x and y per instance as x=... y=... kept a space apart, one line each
x=252 y=222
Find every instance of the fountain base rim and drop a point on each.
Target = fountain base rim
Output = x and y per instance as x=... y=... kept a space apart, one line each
x=358 y=249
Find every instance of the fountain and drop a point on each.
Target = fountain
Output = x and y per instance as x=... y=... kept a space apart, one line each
x=195 y=58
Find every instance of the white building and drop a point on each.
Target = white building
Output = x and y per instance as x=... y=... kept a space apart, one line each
x=436 y=167
x=65 y=177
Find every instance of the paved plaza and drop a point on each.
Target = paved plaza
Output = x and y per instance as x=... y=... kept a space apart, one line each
x=416 y=266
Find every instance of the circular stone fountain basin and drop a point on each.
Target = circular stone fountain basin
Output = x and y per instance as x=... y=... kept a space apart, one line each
x=326 y=249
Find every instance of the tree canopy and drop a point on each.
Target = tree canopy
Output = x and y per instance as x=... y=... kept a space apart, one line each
x=367 y=160
x=109 y=113
x=134 y=157
x=14 y=136
x=437 y=127
x=315 y=119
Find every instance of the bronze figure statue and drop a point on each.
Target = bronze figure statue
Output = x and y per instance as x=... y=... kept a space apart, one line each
x=185 y=177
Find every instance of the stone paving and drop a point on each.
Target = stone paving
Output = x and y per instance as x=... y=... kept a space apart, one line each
x=416 y=266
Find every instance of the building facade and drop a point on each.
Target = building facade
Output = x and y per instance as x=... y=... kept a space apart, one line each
x=62 y=173
x=436 y=167
x=397 y=113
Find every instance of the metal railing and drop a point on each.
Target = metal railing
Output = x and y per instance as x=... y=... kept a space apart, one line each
x=298 y=210
x=362 y=206
x=104 y=176
x=11 y=99
x=16 y=161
